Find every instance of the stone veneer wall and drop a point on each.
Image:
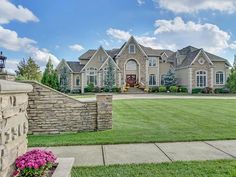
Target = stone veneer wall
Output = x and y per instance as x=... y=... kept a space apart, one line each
x=51 y=112
x=13 y=124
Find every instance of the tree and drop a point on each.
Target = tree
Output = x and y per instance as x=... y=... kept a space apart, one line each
x=50 y=77
x=28 y=70
x=169 y=79
x=109 y=80
x=231 y=82
x=64 y=80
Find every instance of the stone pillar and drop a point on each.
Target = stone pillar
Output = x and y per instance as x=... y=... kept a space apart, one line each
x=212 y=78
x=7 y=76
x=119 y=77
x=13 y=124
x=104 y=111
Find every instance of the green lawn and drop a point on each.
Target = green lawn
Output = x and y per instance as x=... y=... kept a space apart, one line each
x=158 y=120
x=177 y=169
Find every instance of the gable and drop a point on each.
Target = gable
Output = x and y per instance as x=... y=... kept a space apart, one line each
x=105 y=64
x=63 y=64
x=97 y=59
x=125 y=49
x=201 y=59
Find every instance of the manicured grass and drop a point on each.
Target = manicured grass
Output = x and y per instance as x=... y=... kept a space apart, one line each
x=157 y=120
x=177 y=169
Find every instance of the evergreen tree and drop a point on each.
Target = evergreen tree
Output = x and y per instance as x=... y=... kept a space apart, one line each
x=50 y=77
x=109 y=81
x=64 y=80
x=169 y=79
x=28 y=70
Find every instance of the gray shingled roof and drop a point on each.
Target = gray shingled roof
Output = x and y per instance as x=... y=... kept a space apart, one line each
x=189 y=53
x=156 y=52
x=75 y=66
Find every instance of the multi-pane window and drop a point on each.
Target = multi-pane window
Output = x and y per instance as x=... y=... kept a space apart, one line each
x=131 y=65
x=219 y=78
x=152 y=61
x=77 y=81
x=201 y=79
x=92 y=76
x=132 y=49
x=152 y=79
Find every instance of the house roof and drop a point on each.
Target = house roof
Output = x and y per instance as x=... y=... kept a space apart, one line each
x=75 y=66
x=113 y=52
x=189 y=53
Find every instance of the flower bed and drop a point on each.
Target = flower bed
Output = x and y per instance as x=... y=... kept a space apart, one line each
x=35 y=163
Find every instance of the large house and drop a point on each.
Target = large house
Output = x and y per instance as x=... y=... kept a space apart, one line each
x=135 y=64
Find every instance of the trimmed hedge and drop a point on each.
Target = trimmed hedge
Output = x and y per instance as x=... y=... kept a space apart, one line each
x=196 y=90
x=173 y=89
x=162 y=89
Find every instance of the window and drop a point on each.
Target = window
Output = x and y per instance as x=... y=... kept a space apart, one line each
x=201 y=79
x=152 y=79
x=131 y=65
x=152 y=61
x=163 y=79
x=77 y=81
x=92 y=76
x=219 y=78
x=101 y=59
x=132 y=49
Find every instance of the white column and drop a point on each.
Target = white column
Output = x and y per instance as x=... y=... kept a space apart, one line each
x=71 y=82
x=82 y=82
x=147 y=77
x=99 y=79
x=190 y=80
x=212 y=78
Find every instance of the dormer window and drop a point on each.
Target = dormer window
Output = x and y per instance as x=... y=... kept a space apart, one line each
x=132 y=49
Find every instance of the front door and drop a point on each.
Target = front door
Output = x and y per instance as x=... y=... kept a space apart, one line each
x=131 y=79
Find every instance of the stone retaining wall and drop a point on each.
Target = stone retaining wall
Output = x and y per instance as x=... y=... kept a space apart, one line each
x=13 y=124
x=51 y=112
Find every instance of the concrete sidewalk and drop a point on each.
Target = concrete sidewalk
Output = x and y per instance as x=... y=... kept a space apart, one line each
x=94 y=155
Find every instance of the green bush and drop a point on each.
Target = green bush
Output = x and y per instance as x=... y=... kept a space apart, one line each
x=97 y=89
x=173 y=89
x=89 y=88
x=162 y=89
x=196 y=90
x=76 y=91
x=221 y=90
x=116 y=89
x=153 y=89
x=106 y=89
x=182 y=89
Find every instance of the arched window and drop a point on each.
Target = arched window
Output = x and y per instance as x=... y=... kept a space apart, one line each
x=91 y=76
x=201 y=77
x=131 y=65
x=219 y=78
x=77 y=80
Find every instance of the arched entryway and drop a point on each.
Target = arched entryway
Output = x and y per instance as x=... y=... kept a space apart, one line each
x=131 y=72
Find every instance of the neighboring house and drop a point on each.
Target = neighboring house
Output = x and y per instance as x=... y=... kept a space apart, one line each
x=135 y=64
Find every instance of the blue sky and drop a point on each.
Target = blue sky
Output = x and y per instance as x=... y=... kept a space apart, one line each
x=66 y=29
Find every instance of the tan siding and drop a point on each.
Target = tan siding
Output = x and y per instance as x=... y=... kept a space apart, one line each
x=182 y=76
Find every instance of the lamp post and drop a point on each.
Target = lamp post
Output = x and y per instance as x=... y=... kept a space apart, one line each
x=2 y=62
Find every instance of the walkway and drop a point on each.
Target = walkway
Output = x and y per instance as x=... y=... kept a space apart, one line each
x=93 y=155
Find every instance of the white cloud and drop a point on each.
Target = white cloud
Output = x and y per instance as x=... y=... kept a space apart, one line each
x=193 y=6
x=11 y=41
x=176 y=34
x=141 y=2
x=76 y=47
x=9 y=12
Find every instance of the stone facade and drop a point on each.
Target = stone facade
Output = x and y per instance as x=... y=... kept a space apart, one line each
x=14 y=124
x=52 y=112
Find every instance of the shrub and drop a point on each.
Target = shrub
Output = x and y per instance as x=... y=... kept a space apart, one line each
x=34 y=163
x=76 y=91
x=153 y=89
x=182 y=89
x=97 y=89
x=162 y=89
x=221 y=90
x=116 y=89
x=173 y=89
x=207 y=90
x=89 y=88
x=196 y=90
x=106 y=89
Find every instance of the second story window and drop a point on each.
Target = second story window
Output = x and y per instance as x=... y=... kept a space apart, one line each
x=152 y=61
x=132 y=49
